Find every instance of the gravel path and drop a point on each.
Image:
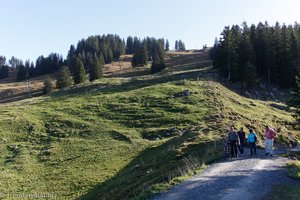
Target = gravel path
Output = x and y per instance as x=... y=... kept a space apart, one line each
x=248 y=177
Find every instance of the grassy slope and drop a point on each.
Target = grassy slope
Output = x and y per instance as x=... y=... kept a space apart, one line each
x=116 y=138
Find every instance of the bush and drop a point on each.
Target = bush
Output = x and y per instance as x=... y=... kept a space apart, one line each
x=47 y=85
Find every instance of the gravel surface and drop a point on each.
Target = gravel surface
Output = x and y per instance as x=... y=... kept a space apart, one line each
x=247 y=177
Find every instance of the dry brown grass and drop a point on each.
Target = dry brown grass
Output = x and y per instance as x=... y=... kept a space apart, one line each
x=123 y=64
x=13 y=91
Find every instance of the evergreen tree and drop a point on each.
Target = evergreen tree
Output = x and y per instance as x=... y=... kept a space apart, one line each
x=272 y=51
x=136 y=44
x=87 y=61
x=31 y=71
x=140 y=57
x=129 y=45
x=72 y=63
x=212 y=52
x=22 y=73
x=228 y=53
x=4 y=71
x=14 y=62
x=109 y=56
x=246 y=70
x=64 y=78
x=79 y=74
x=96 y=71
x=167 y=45
x=155 y=67
x=295 y=99
x=2 y=60
x=158 y=61
x=176 y=46
x=181 y=46
x=47 y=85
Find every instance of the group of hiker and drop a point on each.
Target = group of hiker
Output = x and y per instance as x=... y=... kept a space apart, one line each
x=237 y=141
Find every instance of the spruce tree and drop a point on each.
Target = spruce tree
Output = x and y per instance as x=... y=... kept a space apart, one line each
x=155 y=67
x=167 y=45
x=140 y=57
x=96 y=68
x=4 y=71
x=158 y=60
x=246 y=70
x=64 y=78
x=80 y=74
x=2 y=60
x=32 y=70
x=176 y=46
x=181 y=46
x=295 y=99
x=109 y=56
x=72 y=62
x=129 y=45
x=22 y=73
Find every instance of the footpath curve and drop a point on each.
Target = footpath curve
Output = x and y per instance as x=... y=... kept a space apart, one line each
x=244 y=178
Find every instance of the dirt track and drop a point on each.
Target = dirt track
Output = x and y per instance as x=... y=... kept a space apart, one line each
x=246 y=178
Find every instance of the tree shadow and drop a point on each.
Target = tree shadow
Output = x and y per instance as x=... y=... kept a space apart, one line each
x=158 y=164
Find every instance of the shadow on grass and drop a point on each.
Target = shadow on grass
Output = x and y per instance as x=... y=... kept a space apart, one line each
x=155 y=165
x=134 y=72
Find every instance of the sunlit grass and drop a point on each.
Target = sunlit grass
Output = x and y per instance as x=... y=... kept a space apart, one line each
x=122 y=138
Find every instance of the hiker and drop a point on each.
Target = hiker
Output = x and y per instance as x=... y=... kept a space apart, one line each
x=269 y=135
x=242 y=138
x=234 y=141
x=252 y=141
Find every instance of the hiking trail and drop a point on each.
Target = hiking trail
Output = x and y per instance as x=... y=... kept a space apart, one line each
x=247 y=177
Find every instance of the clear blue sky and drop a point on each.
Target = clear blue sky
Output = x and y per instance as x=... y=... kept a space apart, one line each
x=30 y=28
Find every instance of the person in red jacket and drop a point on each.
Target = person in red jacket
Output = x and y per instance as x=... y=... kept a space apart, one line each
x=269 y=135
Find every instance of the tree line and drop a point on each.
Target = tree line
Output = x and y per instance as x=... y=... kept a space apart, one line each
x=148 y=49
x=93 y=53
x=245 y=54
x=87 y=59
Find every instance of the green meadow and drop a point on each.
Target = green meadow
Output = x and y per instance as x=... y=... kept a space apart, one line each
x=125 y=138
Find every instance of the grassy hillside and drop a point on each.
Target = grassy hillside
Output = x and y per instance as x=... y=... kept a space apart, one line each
x=124 y=138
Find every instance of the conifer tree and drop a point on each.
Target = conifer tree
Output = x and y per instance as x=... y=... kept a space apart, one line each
x=31 y=71
x=96 y=71
x=2 y=60
x=80 y=74
x=181 y=46
x=246 y=70
x=109 y=56
x=167 y=45
x=129 y=45
x=22 y=73
x=140 y=57
x=64 y=78
x=158 y=61
x=295 y=99
x=4 y=71
x=272 y=51
x=176 y=46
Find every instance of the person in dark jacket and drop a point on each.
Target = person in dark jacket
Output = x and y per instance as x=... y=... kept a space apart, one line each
x=234 y=141
x=242 y=137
